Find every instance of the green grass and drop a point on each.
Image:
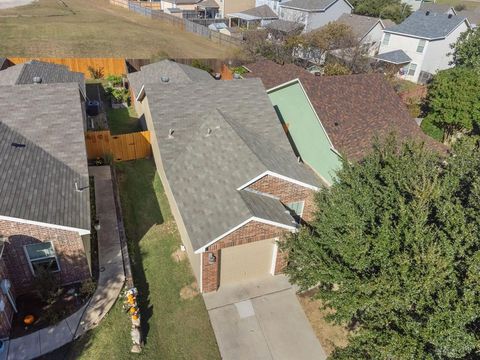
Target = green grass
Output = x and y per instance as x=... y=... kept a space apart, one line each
x=94 y=28
x=174 y=328
x=432 y=130
x=123 y=121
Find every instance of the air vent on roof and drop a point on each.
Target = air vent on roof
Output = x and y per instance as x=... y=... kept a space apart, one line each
x=209 y=131
x=165 y=79
x=17 y=145
x=427 y=13
x=170 y=133
x=37 y=80
x=450 y=16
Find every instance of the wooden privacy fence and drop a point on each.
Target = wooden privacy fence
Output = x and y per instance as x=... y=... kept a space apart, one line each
x=101 y=144
x=110 y=66
x=152 y=12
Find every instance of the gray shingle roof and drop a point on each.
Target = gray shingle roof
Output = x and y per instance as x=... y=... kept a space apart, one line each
x=176 y=73
x=361 y=25
x=3 y=62
x=37 y=182
x=432 y=26
x=473 y=16
x=204 y=168
x=262 y=11
x=394 y=57
x=309 y=5
x=435 y=7
x=24 y=73
x=285 y=26
x=267 y=207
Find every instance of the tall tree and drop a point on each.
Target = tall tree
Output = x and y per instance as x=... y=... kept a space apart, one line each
x=453 y=101
x=394 y=10
x=395 y=252
x=466 y=51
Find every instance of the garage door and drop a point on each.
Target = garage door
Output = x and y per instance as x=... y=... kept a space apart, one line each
x=246 y=262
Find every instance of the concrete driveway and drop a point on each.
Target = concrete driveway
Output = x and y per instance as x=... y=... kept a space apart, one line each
x=262 y=320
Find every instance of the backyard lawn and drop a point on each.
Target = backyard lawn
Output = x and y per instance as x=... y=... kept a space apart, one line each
x=176 y=327
x=94 y=28
x=123 y=121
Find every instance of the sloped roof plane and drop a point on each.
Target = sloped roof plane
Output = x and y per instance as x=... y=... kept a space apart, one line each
x=43 y=155
x=353 y=109
x=215 y=150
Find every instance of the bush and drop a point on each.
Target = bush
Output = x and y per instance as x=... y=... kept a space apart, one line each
x=96 y=73
x=46 y=285
x=87 y=288
x=431 y=129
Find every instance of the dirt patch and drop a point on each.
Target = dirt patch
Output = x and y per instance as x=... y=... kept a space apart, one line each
x=189 y=291
x=330 y=336
x=179 y=255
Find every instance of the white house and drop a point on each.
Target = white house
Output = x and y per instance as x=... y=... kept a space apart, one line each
x=422 y=44
x=273 y=4
x=313 y=13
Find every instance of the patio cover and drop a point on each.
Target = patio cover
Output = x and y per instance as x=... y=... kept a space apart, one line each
x=258 y=13
x=396 y=57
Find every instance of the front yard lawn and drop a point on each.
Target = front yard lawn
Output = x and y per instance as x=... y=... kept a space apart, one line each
x=123 y=121
x=176 y=327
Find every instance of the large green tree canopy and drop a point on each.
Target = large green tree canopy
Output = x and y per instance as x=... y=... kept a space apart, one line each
x=466 y=51
x=395 y=10
x=453 y=100
x=395 y=251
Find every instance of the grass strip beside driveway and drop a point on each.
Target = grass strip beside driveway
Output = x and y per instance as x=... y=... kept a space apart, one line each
x=175 y=328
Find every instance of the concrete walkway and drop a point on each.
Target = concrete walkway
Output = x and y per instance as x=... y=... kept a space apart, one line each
x=109 y=285
x=261 y=320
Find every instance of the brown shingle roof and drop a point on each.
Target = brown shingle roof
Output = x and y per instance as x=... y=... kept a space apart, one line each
x=353 y=108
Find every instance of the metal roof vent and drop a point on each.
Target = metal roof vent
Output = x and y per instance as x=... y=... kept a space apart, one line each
x=165 y=79
x=37 y=80
x=427 y=13
x=170 y=133
x=209 y=132
x=450 y=16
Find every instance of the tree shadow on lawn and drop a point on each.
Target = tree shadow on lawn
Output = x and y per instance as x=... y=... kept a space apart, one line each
x=141 y=212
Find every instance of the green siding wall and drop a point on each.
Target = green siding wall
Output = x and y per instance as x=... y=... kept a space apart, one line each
x=305 y=132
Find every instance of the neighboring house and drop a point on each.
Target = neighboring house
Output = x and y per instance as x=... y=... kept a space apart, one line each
x=421 y=44
x=273 y=4
x=34 y=71
x=314 y=13
x=234 y=6
x=473 y=15
x=330 y=118
x=281 y=29
x=252 y=18
x=44 y=194
x=191 y=8
x=4 y=63
x=162 y=72
x=368 y=30
x=234 y=185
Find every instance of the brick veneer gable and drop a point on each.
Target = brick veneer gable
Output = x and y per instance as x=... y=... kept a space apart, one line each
x=68 y=247
x=250 y=232
x=287 y=192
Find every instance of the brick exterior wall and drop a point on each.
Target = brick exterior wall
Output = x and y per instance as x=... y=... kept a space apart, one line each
x=255 y=231
x=250 y=232
x=68 y=247
x=287 y=192
x=6 y=317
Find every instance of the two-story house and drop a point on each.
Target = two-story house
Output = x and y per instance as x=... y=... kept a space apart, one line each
x=420 y=45
x=313 y=14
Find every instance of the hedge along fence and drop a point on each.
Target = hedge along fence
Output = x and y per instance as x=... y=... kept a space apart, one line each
x=109 y=66
x=152 y=12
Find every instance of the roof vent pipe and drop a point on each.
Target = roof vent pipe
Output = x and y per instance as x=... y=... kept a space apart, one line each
x=209 y=131
x=37 y=80
x=165 y=79
x=450 y=16
x=427 y=13
x=170 y=133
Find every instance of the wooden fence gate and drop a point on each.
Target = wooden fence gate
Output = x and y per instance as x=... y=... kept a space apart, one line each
x=102 y=144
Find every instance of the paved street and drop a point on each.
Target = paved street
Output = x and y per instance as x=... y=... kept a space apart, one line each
x=262 y=320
